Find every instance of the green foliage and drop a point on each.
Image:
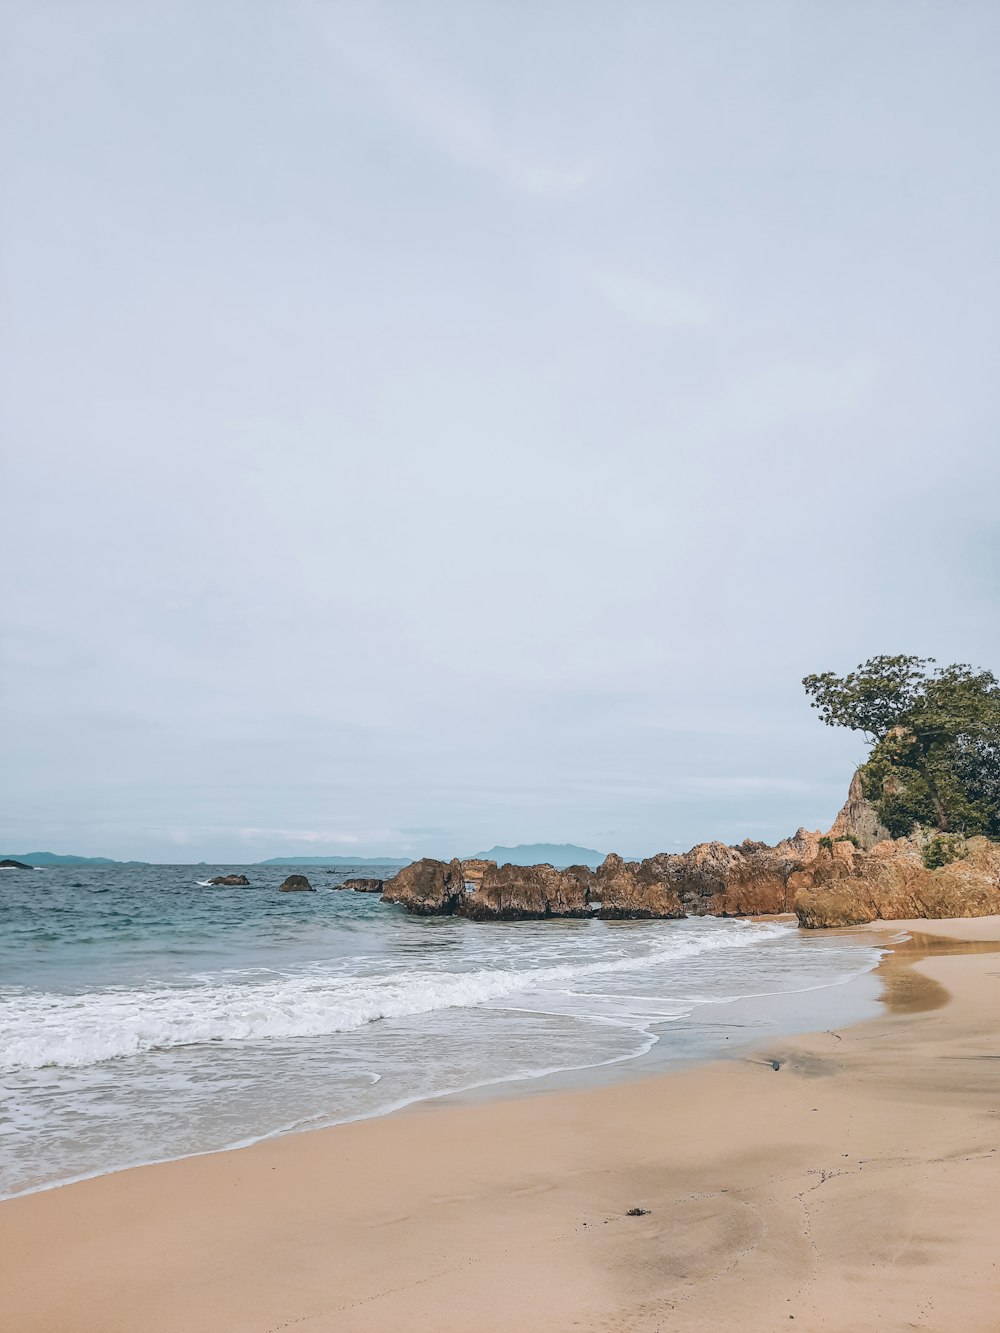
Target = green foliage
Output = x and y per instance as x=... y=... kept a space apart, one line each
x=942 y=849
x=848 y=837
x=935 y=736
x=826 y=842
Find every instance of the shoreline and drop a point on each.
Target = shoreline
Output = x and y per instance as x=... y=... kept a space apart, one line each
x=670 y=1045
x=511 y=1213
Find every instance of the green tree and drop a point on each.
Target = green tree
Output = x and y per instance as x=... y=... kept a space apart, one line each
x=935 y=737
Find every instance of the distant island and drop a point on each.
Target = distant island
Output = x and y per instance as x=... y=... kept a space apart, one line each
x=55 y=859
x=558 y=854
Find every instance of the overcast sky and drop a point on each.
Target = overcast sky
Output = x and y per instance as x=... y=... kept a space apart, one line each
x=431 y=425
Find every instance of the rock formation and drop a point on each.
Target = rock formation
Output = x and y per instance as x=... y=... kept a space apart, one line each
x=233 y=881
x=517 y=893
x=635 y=889
x=427 y=887
x=475 y=868
x=846 y=886
x=858 y=819
x=711 y=879
x=362 y=885
x=14 y=865
x=852 y=875
x=296 y=884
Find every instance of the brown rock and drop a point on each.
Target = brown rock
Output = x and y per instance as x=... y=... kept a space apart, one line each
x=475 y=868
x=233 y=881
x=635 y=889
x=714 y=879
x=362 y=885
x=517 y=893
x=847 y=887
x=858 y=820
x=296 y=884
x=427 y=887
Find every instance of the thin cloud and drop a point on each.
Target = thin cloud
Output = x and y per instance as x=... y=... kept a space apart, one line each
x=647 y=303
x=300 y=835
x=421 y=100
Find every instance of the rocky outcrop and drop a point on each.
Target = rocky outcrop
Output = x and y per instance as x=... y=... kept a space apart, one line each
x=635 y=889
x=427 y=887
x=846 y=886
x=362 y=885
x=231 y=881
x=850 y=876
x=711 y=879
x=518 y=893
x=858 y=820
x=296 y=884
x=475 y=868
x=8 y=864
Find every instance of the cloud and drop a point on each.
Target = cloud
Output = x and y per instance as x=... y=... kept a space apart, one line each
x=424 y=102
x=646 y=303
x=768 y=397
x=300 y=835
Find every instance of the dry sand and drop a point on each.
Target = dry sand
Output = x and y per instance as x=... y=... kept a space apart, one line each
x=856 y=1188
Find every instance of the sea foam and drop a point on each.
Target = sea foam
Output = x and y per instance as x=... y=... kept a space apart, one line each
x=38 y=1030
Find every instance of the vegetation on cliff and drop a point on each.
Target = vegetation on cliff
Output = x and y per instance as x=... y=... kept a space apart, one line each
x=935 y=737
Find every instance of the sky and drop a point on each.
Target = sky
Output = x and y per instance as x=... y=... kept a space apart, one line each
x=431 y=425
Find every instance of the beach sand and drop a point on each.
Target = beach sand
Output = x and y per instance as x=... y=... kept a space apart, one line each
x=857 y=1187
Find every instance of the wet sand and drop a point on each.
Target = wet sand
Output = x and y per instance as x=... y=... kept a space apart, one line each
x=856 y=1187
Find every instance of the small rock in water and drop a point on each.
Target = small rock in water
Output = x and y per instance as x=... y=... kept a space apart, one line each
x=239 y=881
x=296 y=884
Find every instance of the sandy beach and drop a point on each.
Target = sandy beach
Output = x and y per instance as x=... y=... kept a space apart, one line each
x=855 y=1187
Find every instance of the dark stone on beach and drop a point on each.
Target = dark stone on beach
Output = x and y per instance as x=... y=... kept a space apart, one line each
x=362 y=885
x=296 y=884
x=232 y=881
x=637 y=1212
x=14 y=865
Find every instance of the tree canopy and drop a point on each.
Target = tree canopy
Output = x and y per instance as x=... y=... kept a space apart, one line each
x=935 y=736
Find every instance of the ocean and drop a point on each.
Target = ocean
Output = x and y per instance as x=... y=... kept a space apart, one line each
x=145 y=1016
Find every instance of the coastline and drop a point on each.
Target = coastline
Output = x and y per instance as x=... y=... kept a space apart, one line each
x=855 y=1187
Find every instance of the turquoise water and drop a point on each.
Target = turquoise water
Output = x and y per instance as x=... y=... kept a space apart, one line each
x=146 y=1016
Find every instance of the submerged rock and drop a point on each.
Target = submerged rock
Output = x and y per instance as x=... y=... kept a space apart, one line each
x=362 y=885
x=233 y=881
x=296 y=884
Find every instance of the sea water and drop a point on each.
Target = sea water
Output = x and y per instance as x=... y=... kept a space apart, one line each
x=145 y=1015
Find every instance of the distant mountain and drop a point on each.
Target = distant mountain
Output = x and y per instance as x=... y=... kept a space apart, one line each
x=334 y=861
x=557 y=854
x=54 y=859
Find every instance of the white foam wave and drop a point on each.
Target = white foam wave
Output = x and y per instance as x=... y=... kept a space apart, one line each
x=39 y=1029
